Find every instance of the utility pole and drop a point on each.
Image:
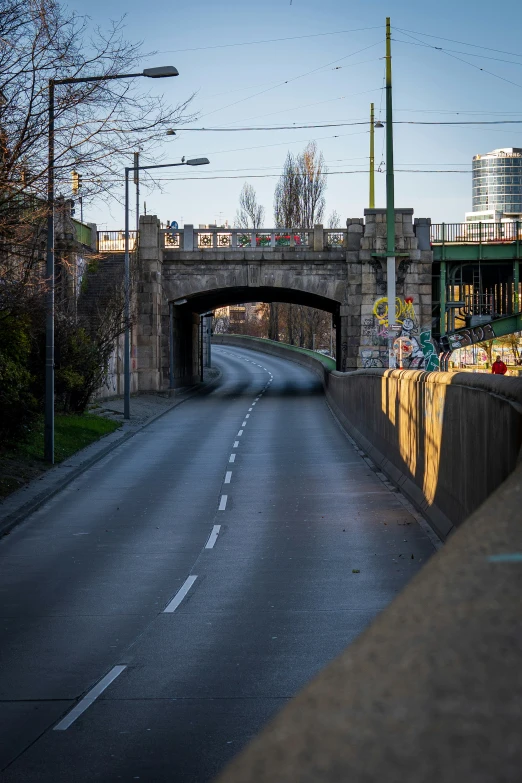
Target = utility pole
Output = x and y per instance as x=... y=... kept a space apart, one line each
x=137 y=183
x=390 y=202
x=372 y=158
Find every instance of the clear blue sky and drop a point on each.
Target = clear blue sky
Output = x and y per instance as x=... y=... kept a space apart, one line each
x=429 y=85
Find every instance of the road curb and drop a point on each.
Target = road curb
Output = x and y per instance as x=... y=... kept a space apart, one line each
x=27 y=507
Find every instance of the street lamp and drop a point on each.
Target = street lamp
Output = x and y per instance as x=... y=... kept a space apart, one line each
x=126 y=349
x=151 y=73
x=373 y=125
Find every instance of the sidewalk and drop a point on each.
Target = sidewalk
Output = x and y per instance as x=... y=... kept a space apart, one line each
x=145 y=409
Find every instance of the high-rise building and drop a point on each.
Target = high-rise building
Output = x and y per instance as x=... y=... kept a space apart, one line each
x=497 y=184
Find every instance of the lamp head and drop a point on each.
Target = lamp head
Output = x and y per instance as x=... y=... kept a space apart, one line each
x=378 y=124
x=198 y=162
x=160 y=73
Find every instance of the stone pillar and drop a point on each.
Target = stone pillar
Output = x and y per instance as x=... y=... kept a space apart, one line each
x=147 y=362
x=186 y=348
x=413 y=285
x=318 y=238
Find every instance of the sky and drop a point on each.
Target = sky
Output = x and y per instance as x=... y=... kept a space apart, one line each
x=327 y=66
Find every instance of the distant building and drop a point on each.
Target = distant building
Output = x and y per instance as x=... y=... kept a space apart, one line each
x=497 y=186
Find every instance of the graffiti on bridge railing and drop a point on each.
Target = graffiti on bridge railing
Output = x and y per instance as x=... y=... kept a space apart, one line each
x=476 y=334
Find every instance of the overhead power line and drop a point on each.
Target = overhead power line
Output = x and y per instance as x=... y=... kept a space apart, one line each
x=346 y=124
x=269 y=40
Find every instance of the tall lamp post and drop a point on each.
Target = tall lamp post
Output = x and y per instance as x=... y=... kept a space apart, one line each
x=373 y=125
x=151 y=73
x=126 y=349
x=390 y=202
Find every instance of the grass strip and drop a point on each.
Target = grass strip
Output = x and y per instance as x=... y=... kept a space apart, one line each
x=23 y=462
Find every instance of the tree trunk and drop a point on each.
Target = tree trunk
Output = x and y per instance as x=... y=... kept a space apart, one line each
x=273 y=325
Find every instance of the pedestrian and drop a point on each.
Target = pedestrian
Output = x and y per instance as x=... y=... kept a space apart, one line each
x=499 y=368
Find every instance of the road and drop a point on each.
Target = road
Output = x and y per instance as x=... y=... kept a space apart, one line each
x=158 y=611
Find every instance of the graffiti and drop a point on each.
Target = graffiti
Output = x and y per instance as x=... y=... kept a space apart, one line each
x=369 y=360
x=465 y=337
x=403 y=310
x=431 y=359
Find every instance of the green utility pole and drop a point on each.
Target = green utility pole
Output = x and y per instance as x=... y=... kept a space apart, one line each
x=372 y=158
x=390 y=202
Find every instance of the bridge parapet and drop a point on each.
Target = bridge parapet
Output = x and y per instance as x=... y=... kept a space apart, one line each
x=191 y=239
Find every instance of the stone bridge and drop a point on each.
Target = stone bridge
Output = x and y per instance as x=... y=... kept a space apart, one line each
x=183 y=275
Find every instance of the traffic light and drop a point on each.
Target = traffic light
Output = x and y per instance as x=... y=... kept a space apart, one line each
x=76 y=182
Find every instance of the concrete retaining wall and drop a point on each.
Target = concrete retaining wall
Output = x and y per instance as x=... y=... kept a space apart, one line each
x=449 y=440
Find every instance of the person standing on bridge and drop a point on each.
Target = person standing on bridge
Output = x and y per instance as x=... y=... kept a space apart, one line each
x=499 y=368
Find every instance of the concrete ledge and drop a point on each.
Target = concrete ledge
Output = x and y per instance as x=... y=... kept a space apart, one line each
x=431 y=691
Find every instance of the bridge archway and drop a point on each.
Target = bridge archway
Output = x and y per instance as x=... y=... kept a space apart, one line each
x=186 y=330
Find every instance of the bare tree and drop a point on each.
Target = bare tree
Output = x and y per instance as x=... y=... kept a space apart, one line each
x=250 y=213
x=334 y=219
x=97 y=124
x=312 y=180
x=298 y=203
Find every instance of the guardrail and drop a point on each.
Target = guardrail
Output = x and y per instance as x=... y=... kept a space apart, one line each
x=475 y=233
x=114 y=241
x=258 y=239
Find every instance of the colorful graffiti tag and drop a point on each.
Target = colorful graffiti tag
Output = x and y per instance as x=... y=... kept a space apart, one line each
x=478 y=334
x=375 y=334
x=431 y=358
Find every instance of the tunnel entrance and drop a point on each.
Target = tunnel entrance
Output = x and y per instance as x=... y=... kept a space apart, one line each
x=189 y=325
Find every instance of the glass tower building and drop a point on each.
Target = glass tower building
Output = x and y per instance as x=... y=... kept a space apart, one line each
x=497 y=182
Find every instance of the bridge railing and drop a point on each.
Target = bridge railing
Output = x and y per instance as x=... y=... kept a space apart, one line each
x=473 y=233
x=250 y=239
x=114 y=241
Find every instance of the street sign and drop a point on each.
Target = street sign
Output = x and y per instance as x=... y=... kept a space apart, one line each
x=173 y=225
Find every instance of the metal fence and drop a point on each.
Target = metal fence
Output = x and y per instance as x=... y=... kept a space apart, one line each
x=114 y=241
x=462 y=233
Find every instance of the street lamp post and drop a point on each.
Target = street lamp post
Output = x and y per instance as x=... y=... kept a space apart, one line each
x=126 y=348
x=151 y=73
x=390 y=203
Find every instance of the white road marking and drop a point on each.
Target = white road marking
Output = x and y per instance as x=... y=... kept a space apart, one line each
x=232 y=458
x=89 y=698
x=244 y=424
x=236 y=444
x=228 y=476
x=223 y=503
x=247 y=416
x=180 y=595
x=250 y=409
x=239 y=433
x=213 y=537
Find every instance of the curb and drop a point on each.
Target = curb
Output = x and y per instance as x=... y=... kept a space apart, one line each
x=26 y=508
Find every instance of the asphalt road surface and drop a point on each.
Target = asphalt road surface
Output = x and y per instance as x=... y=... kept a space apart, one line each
x=157 y=612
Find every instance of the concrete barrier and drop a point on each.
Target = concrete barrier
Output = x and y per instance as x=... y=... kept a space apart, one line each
x=448 y=440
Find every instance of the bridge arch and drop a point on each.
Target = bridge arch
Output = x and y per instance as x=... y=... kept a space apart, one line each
x=184 y=331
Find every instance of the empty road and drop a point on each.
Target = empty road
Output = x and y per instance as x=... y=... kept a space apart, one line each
x=159 y=610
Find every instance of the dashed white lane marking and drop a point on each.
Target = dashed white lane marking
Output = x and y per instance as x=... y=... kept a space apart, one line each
x=239 y=433
x=228 y=476
x=247 y=416
x=244 y=424
x=180 y=595
x=236 y=444
x=223 y=503
x=89 y=698
x=232 y=458
x=213 y=537
x=250 y=409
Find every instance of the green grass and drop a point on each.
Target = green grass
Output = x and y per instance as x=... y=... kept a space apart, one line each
x=20 y=464
x=328 y=362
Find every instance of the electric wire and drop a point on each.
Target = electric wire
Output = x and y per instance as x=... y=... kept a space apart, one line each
x=269 y=40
